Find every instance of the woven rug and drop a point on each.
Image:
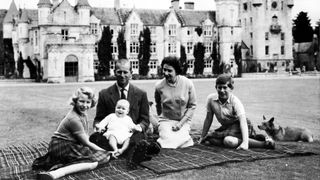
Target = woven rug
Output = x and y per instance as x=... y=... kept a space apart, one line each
x=15 y=161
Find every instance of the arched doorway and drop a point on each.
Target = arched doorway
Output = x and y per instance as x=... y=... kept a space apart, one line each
x=71 y=69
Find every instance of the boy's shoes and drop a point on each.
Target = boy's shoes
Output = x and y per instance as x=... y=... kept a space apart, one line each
x=270 y=144
x=44 y=176
x=153 y=148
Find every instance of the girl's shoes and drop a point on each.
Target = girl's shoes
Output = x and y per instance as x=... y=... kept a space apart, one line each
x=44 y=176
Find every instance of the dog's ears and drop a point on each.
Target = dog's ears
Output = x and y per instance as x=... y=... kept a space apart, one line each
x=264 y=118
x=271 y=120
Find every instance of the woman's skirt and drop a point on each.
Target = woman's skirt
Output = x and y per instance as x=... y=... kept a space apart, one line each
x=62 y=153
x=174 y=139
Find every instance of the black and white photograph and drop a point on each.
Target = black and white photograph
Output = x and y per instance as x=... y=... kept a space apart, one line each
x=159 y=89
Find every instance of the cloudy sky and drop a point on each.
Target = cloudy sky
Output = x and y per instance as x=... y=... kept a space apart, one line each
x=309 y=6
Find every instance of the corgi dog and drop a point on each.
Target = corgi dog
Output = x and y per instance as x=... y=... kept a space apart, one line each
x=279 y=133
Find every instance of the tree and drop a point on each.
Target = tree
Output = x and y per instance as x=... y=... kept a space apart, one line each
x=9 y=63
x=20 y=66
x=32 y=68
x=183 y=60
x=122 y=48
x=198 y=54
x=144 y=52
x=302 y=30
x=105 y=52
x=237 y=57
x=217 y=65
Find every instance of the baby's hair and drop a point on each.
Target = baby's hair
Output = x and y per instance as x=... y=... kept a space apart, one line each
x=124 y=101
x=86 y=91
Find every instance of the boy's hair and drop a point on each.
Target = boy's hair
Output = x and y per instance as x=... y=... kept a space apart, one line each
x=124 y=102
x=225 y=79
x=86 y=91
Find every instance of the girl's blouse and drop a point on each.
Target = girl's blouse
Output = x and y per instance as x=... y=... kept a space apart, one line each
x=175 y=101
x=71 y=125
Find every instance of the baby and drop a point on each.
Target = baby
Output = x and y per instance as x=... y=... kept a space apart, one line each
x=118 y=127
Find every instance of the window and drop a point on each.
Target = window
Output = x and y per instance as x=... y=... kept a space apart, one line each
x=95 y=65
x=189 y=47
x=153 y=48
x=282 y=50
x=64 y=33
x=267 y=36
x=190 y=64
x=207 y=63
x=134 y=29
x=153 y=64
x=207 y=30
x=245 y=6
x=152 y=30
x=172 y=30
x=96 y=47
x=251 y=48
x=112 y=31
x=36 y=38
x=114 y=48
x=208 y=47
x=134 y=47
x=134 y=64
x=172 y=48
x=94 y=28
x=189 y=31
x=251 y=20
x=112 y=65
x=282 y=36
x=231 y=31
x=267 y=50
x=251 y=35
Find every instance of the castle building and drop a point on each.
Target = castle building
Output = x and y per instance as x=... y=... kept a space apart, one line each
x=63 y=38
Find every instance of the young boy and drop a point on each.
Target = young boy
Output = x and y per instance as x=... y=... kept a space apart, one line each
x=118 y=127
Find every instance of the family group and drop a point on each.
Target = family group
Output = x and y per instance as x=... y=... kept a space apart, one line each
x=122 y=120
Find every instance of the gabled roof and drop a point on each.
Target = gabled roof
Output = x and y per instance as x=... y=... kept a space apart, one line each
x=195 y=18
x=107 y=15
x=3 y=13
x=13 y=11
x=152 y=17
x=24 y=17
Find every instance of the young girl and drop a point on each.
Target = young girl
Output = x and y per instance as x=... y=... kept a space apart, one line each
x=118 y=128
x=70 y=150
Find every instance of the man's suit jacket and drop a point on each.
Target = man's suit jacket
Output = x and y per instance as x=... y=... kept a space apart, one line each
x=139 y=106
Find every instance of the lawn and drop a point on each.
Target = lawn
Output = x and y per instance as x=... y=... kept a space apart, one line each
x=30 y=112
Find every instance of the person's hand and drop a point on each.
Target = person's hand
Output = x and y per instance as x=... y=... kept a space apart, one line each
x=137 y=128
x=176 y=127
x=243 y=146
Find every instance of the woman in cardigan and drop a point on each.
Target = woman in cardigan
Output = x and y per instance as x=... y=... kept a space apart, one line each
x=175 y=99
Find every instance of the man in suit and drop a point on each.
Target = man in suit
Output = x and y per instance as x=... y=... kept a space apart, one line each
x=139 y=110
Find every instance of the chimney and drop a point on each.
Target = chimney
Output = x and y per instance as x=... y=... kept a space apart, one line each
x=175 y=4
x=189 y=5
x=117 y=4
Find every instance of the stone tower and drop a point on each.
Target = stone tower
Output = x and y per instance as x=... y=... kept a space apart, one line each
x=83 y=8
x=229 y=29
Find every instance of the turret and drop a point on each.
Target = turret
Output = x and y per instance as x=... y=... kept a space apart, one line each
x=83 y=8
x=44 y=7
x=8 y=21
x=23 y=23
x=175 y=4
x=227 y=12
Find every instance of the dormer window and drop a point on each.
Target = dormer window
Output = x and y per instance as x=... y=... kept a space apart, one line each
x=207 y=30
x=94 y=28
x=172 y=30
x=64 y=33
x=134 y=29
x=245 y=6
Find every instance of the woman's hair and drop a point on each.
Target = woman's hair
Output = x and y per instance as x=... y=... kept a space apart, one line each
x=86 y=91
x=225 y=79
x=172 y=61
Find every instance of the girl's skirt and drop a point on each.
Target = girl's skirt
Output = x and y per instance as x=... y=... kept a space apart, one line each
x=62 y=153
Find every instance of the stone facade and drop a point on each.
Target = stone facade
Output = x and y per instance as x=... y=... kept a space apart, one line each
x=64 y=37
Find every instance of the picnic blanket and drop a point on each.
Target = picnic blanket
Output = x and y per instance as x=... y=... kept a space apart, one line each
x=15 y=161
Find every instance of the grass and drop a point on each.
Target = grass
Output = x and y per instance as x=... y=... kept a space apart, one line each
x=29 y=112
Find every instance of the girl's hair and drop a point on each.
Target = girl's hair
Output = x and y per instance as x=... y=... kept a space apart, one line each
x=86 y=91
x=225 y=79
x=172 y=61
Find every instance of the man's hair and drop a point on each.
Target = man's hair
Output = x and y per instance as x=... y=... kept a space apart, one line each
x=225 y=79
x=122 y=62
x=172 y=61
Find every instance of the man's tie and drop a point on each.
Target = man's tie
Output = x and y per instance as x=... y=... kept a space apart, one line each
x=122 y=95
